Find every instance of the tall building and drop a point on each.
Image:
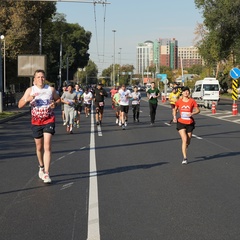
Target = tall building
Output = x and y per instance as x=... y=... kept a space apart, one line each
x=189 y=56
x=168 y=52
x=162 y=52
x=156 y=55
x=165 y=52
x=144 y=56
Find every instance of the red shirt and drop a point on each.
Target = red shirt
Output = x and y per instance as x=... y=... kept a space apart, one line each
x=113 y=91
x=185 y=108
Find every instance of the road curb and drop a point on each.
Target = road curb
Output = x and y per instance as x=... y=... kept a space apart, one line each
x=13 y=117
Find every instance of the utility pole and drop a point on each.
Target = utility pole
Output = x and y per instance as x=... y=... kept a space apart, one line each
x=1 y=81
x=60 y=63
x=40 y=37
x=67 y=69
x=114 y=31
x=120 y=49
x=60 y=60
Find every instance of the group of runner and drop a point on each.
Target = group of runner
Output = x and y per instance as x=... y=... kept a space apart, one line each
x=121 y=98
x=179 y=99
x=74 y=99
x=43 y=99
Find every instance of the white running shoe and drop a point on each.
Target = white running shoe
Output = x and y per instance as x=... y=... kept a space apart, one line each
x=125 y=124
x=46 y=178
x=116 y=120
x=41 y=172
x=184 y=161
x=119 y=123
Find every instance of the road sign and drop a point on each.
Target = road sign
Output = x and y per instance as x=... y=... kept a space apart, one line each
x=234 y=89
x=161 y=76
x=235 y=73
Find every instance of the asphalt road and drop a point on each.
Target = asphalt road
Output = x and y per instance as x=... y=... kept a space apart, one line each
x=111 y=184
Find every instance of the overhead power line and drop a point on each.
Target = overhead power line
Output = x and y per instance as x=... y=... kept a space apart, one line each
x=102 y=55
x=95 y=2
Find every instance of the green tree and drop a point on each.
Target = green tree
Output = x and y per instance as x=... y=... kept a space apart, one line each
x=20 y=22
x=195 y=69
x=107 y=75
x=125 y=74
x=75 y=48
x=221 y=32
x=87 y=75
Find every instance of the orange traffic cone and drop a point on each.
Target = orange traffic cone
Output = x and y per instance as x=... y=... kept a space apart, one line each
x=213 y=107
x=234 y=109
x=163 y=99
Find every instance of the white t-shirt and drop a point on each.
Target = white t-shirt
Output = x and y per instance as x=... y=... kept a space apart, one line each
x=87 y=98
x=124 y=97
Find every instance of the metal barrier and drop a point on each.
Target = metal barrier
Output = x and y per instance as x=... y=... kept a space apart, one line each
x=9 y=99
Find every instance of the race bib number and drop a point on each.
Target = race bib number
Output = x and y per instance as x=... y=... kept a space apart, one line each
x=101 y=104
x=135 y=102
x=185 y=115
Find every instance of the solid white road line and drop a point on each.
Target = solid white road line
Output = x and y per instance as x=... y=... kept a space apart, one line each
x=99 y=130
x=93 y=211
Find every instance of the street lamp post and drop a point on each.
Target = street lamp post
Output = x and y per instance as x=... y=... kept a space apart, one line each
x=114 y=31
x=120 y=49
x=60 y=60
x=60 y=63
x=119 y=65
x=67 y=69
x=4 y=64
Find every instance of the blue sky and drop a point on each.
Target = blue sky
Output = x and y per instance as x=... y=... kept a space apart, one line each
x=135 y=21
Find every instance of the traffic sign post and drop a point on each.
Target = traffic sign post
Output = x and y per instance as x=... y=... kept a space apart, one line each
x=234 y=89
x=235 y=74
x=234 y=96
x=161 y=76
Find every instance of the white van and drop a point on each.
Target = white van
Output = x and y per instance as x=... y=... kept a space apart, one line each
x=206 y=91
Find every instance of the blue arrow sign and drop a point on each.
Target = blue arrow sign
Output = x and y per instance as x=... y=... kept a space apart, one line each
x=161 y=76
x=235 y=73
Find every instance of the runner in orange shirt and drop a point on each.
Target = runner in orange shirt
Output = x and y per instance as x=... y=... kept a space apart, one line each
x=187 y=107
x=113 y=91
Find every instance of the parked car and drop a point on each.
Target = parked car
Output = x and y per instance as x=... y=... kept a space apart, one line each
x=141 y=88
x=129 y=88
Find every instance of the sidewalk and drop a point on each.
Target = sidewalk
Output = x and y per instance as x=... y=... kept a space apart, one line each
x=18 y=113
